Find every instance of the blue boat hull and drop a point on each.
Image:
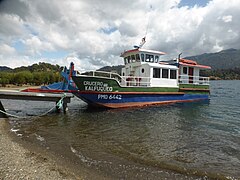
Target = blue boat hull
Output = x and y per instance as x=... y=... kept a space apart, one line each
x=121 y=100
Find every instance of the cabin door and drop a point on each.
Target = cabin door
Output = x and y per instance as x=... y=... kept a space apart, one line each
x=190 y=74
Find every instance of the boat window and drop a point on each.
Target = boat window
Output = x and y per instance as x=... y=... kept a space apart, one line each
x=137 y=58
x=156 y=59
x=142 y=57
x=173 y=74
x=165 y=73
x=125 y=60
x=147 y=58
x=129 y=59
x=151 y=58
x=184 y=70
x=133 y=58
x=156 y=72
x=142 y=70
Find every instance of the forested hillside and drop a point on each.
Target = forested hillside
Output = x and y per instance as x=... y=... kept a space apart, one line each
x=225 y=65
x=226 y=59
x=4 y=68
x=37 y=74
x=116 y=69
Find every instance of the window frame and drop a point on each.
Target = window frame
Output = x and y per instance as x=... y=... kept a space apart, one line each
x=163 y=75
x=173 y=76
x=156 y=72
x=185 y=70
x=137 y=58
x=142 y=57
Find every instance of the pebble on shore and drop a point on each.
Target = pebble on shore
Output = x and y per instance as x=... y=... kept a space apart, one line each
x=16 y=162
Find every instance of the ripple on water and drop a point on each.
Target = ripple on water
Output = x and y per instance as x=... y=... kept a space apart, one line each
x=171 y=141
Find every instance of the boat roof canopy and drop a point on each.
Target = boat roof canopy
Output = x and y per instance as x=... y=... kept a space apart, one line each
x=191 y=63
x=139 y=50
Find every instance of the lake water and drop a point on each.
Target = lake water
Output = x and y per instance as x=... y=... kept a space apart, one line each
x=181 y=141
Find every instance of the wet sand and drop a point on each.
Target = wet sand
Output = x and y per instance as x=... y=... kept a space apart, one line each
x=19 y=162
x=23 y=160
x=16 y=162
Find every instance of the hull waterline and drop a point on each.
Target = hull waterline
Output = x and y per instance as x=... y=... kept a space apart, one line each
x=124 y=100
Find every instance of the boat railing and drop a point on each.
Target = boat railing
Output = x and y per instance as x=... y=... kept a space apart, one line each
x=198 y=80
x=135 y=81
x=104 y=74
x=124 y=81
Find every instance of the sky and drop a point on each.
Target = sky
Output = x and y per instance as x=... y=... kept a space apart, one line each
x=93 y=33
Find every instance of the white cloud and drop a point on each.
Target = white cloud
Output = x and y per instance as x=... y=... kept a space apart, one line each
x=12 y=26
x=227 y=18
x=6 y=49
x=95 y=32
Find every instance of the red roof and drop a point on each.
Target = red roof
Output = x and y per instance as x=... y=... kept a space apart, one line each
x=191 y=63
x=142 y=50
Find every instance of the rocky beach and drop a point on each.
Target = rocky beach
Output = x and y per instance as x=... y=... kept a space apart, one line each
x=17 y=162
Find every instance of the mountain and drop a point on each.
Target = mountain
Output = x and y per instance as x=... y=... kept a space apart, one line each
x=225 y=64
x=117 y=69
x=40 y=67
x=5 y=68
x=226 y=59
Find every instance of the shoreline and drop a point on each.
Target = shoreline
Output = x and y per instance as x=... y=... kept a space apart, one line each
x=17 y=88
x=17 y=162
x=20 y=162
x=20 y=159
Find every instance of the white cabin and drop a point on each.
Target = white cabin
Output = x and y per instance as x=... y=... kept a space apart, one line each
x=189 y=71
x=144 y=68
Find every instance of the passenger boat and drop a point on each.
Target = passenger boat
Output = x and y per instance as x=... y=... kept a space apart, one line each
x=144 y=80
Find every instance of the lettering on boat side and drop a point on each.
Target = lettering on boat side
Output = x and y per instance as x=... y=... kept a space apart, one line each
x=110 y=96
x=97 y=86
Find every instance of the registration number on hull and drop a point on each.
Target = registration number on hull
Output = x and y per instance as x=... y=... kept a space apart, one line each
x=110 y=96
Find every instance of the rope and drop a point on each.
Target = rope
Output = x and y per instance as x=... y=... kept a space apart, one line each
x=8 y=114
x=59 y=105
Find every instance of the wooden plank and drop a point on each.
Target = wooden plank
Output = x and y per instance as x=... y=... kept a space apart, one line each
x=35 y=96
x=32 y=96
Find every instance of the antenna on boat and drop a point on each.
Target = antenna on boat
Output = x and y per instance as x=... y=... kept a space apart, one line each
x=141 y=43
x=144 y=38
x=179 y=56
x=148 y=21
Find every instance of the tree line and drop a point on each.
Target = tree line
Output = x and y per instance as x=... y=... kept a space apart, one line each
x=30 y=78
x=45 y=73
x=224 y=74
x=37 y=74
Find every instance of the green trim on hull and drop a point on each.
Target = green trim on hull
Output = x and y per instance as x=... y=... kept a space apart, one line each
x=103 y=84
x=111 y=85
x=194 y=89
x=193 y=86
